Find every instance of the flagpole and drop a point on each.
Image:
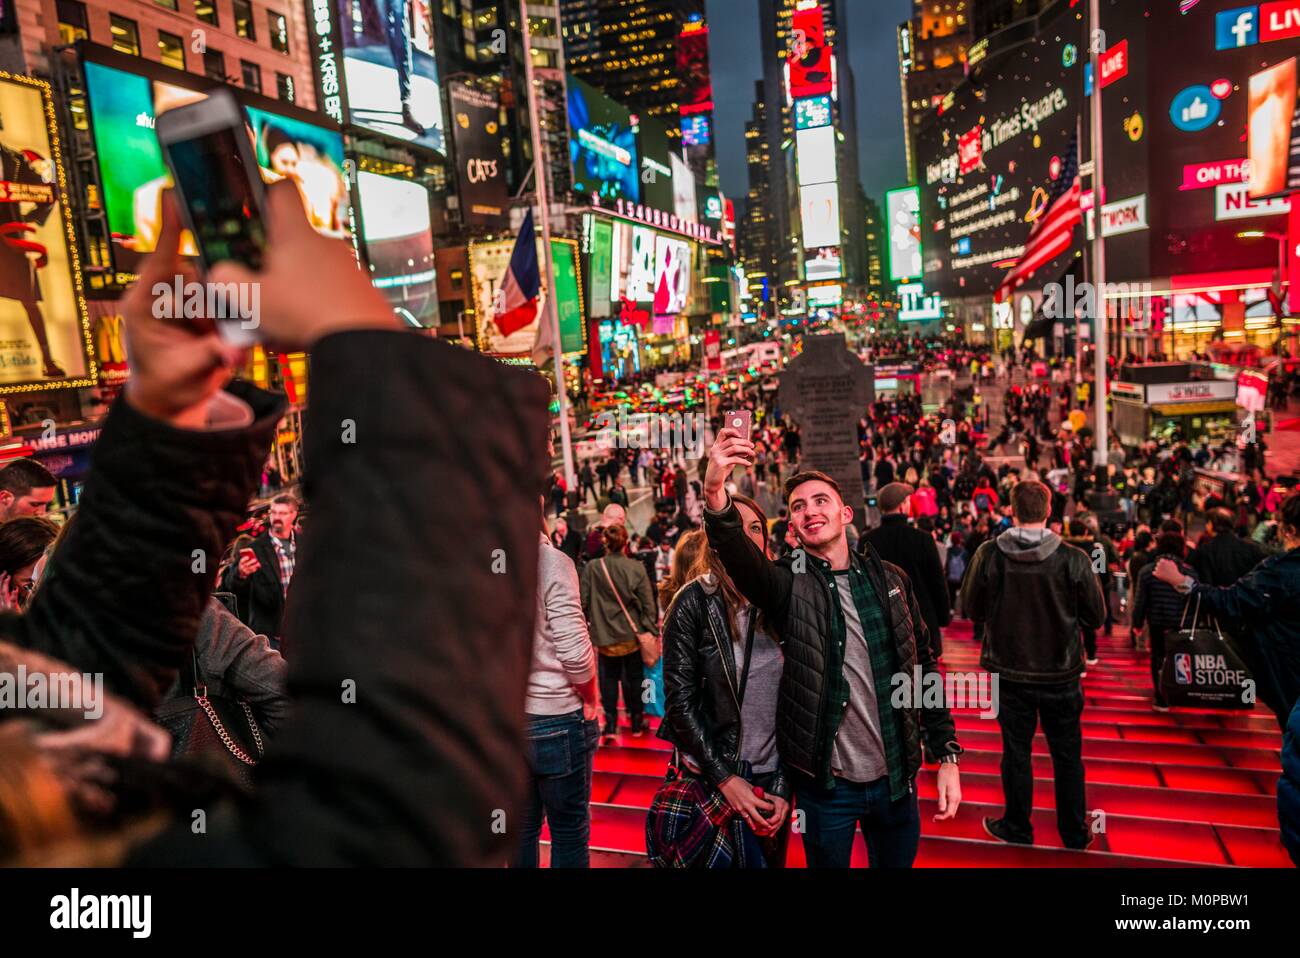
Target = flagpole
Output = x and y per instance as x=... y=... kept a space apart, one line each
x=1100 y=309
x=541 y=184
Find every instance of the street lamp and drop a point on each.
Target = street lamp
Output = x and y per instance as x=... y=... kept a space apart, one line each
x=1283 y=241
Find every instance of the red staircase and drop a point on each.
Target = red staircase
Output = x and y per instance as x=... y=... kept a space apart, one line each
x=1178 y=788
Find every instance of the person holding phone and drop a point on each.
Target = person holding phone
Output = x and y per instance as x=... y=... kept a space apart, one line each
x=722 y=672
x=263 y=570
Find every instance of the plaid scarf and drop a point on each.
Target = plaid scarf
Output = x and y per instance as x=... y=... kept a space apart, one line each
x=690 y=825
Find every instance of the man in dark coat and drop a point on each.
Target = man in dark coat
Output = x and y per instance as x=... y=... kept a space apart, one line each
x=260 y=576
x=913 y=551
x=1224 y=557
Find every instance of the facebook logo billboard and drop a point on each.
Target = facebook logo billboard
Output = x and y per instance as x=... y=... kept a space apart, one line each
x=1236 y=28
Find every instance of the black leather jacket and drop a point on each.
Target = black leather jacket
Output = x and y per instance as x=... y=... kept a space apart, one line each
x=701 y=707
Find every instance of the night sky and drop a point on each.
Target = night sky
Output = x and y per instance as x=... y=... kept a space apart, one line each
x=736 y=63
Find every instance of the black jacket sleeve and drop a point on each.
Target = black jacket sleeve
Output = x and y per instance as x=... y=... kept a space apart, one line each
x=760 y=580
x=936 y=581
x=976 y=590
x=937 y=721
x=685 y=627
x=411 y=649
x=124 y=592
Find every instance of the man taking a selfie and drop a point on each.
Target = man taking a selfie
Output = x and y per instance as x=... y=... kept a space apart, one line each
x=849 y=624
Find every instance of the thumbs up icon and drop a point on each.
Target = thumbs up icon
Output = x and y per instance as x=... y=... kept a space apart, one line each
x=1198 y=109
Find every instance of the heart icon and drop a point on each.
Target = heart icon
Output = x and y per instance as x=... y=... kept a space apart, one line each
x=1221 y=89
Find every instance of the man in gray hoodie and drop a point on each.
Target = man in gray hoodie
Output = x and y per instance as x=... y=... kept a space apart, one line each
x=1034 y=593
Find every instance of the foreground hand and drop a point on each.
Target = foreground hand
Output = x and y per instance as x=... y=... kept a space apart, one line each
x=121 y=730
x=177 y=365
x=248 y=564
x=949 y=784
x=309 y=285
x=1167 y=571
x=727 y=452
x=752 y=809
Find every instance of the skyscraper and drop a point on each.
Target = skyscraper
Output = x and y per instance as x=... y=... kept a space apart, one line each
x=932 y=53
x=784 y=25
x=757 y=232
x=652 y=56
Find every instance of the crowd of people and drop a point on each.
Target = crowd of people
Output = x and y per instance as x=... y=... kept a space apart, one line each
x=318 y=681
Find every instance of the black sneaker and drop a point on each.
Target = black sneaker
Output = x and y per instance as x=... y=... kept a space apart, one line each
x=611 y=730
x=638 y=727
x=998 y=829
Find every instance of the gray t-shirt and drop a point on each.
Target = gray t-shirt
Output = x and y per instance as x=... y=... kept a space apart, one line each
x=859 y=751
x=758 y=708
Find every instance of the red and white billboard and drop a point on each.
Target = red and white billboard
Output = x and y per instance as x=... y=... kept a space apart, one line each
x=970 y=150
x=809 y=58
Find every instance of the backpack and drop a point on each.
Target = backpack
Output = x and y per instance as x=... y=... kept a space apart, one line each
x=956 y=564
x=983 y=500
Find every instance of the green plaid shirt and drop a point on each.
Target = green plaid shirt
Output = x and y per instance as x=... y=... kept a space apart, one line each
x=884 y=665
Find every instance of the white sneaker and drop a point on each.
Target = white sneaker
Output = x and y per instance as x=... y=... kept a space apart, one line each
x=1155 y=706
x=1092 y=661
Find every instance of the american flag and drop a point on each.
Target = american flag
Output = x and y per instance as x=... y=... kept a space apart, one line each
x=1053 y=231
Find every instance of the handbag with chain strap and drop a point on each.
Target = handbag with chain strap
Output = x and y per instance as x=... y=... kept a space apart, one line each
x=218 y=731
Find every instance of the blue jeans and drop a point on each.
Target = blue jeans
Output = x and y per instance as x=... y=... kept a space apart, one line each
x=892 y=829
x=561 y=750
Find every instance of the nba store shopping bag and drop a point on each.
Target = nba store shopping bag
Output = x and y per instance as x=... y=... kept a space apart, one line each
x=1202 y=670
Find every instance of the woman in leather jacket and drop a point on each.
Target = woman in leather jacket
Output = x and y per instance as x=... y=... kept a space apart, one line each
x=722 y=670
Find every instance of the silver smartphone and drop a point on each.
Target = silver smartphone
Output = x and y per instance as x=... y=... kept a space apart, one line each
x=209 y=151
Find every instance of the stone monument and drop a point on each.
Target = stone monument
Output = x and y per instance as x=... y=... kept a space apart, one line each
x=826 y=389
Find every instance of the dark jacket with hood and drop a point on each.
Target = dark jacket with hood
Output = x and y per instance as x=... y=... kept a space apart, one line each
x=1034 y=593
x=701 y=697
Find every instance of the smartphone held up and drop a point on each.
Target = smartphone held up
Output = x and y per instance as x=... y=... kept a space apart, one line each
x=219 y=189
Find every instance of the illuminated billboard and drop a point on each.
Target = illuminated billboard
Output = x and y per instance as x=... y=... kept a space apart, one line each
x=694 y=79
x=812 y=111
x=903 y=207
x=825 y=263
x=641 y=268
x=602 y=145
x=820 y=206
x=672 y=275
x=398 y=239
x=387 y=80
x=816 y=153
x=656 y=169
x=1274 y=131
x=697 y=129
x=809 y=58
x=987 y=164
x=44 y=326
x=488 y=265
x=821 y=297
x=684 y=197
x=132 y=174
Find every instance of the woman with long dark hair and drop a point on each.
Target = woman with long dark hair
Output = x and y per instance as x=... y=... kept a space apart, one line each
x=722 y=670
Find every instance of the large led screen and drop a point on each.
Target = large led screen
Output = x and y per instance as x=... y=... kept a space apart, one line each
x=1274 y=131
x=399 y=245
x=641 y=272
x=820 y=205
x=903 y=207
x=44 y=327
x=389 y=77
x=123 y=108
x=602 y=145
x=672 y=275
x=816 y=155
x=987 y=164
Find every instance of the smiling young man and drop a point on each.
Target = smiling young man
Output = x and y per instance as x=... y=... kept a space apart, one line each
x=848 y=625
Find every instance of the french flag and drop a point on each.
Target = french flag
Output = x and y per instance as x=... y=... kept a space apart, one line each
x=516 y=301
